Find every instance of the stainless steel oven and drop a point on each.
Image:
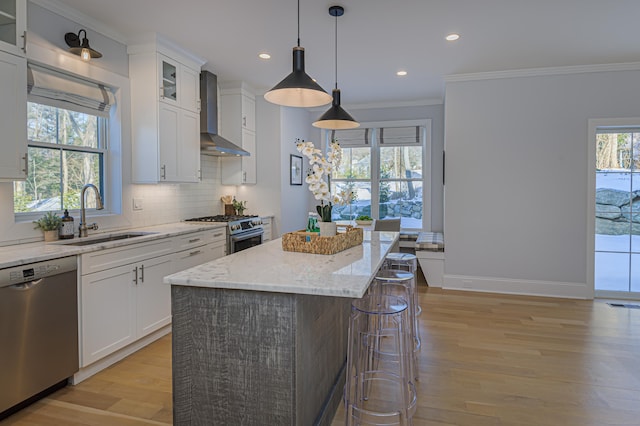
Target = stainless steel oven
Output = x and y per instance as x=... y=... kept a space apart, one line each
x=243 y=232
x=245 y=240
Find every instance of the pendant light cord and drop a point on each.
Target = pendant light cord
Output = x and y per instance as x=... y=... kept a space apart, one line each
x=298 y=23
x=336 y=50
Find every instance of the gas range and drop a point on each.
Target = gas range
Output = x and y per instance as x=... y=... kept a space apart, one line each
x=235 y=223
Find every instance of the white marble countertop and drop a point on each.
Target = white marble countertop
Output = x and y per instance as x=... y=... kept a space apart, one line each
x=21 y=254
x=269 y=268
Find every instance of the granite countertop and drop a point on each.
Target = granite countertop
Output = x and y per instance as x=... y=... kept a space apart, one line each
x=21 y=254
x=269 y=268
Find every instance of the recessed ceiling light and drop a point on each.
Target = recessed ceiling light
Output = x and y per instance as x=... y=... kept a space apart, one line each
x=264 y=55
x=452 y=37
x=401 y=73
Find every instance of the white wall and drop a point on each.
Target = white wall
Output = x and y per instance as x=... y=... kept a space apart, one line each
x=516 y=178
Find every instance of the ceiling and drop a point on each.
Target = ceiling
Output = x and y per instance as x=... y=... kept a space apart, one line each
x=379 y=37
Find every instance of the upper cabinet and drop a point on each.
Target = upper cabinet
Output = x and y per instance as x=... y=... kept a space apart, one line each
x=13 y=104
x=165 y=119
x=13 y=26
x=238 y=123
x=179 y=84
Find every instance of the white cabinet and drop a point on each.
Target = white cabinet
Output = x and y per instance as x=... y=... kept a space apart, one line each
x=179 y=84
x=199 y=247
x=13 y=26
x=13 y=117
x=165 y=101
x=267 y=228
x=238 y=123
x=123 y=297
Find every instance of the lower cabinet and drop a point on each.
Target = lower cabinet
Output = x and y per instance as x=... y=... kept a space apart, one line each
x=125 y=299
x=123 y=296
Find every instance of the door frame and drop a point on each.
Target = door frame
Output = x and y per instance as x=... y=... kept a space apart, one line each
x=594 y=125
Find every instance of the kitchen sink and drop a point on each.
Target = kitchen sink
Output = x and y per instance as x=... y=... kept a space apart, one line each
x=112 y=237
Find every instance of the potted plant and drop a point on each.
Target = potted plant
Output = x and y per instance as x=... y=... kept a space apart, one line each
x=50 y=224
x=364 y=220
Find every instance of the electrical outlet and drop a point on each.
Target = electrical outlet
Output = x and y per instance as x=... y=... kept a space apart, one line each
x=137 y=203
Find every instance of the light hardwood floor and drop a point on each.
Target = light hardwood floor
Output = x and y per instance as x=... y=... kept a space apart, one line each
x=486 y=359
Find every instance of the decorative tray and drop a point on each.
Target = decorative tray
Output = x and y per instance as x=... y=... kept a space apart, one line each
x=312 y=242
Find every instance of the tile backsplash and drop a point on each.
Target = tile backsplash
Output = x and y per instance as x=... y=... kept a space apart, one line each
x=166 y=203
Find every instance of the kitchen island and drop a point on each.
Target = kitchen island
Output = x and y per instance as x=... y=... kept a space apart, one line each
x=260 y=336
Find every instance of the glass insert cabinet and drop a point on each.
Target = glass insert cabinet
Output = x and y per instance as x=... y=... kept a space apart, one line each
x=13 y=25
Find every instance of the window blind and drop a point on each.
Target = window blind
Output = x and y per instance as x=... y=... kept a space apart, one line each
x=400 y=135
x=352 y=137
x=64 y=91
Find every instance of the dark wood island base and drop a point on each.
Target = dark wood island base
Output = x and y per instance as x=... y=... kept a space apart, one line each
x=257 y=358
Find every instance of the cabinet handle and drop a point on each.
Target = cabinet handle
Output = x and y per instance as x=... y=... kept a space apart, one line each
x=24 y=41
x=199 y=174
x=198 y=105
x=135 y=280
x=193 y=253
x=244 y=121
x=217 y=235
x=161 y=92
x=244 y=176
x=163 y=172
x=26 y=164
x=194 y=240
x=141 y=273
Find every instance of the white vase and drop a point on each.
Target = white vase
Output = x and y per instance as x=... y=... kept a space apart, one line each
x=327 y=229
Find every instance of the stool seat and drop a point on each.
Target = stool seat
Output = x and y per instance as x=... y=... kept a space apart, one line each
x=394 y=275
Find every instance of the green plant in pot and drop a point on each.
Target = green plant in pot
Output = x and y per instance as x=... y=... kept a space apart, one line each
x=50 y=224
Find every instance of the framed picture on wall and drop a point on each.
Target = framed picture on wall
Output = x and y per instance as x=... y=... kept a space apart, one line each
x=295 y=163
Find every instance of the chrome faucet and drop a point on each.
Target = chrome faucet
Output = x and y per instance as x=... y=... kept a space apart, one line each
x=83 y=219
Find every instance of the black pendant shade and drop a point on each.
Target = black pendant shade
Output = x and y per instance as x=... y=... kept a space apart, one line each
x=298 y=89
x=336 y=117
x=80 y=46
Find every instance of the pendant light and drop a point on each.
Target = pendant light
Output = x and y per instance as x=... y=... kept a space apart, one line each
x=298 y=89
x=336 y=117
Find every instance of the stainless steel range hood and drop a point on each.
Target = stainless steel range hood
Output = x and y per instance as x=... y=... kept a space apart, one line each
x=211 y=143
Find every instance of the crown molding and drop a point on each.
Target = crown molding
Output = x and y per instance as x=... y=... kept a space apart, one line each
x=536 y=72
x=81 y=19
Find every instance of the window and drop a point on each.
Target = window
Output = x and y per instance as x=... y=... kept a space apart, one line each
x=66 y=151
x=67 y=122
x=384 y=164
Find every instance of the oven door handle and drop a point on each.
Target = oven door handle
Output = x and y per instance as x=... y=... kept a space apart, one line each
x=247 y=235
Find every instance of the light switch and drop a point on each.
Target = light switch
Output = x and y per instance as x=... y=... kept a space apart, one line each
x=137 y=203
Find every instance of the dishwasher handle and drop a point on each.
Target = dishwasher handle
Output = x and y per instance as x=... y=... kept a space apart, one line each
x=25 y=286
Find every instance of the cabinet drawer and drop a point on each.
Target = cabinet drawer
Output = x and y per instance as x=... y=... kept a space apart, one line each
x=189 y=258
x=118 y=256
x=197 y=239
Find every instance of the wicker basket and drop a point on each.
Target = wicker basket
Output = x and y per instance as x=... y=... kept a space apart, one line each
x=311 y=242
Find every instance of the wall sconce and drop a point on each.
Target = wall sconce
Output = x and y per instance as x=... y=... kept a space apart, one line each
x=81 y=48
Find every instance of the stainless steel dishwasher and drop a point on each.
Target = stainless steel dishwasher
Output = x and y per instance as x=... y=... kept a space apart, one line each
x=38 y=330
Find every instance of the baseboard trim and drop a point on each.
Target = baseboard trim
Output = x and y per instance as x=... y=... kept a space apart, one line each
x=514 y=286
x=88 y=371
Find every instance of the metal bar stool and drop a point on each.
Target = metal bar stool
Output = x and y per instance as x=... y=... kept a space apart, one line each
x=380 y=392
x=402 y=284
x=407 y=262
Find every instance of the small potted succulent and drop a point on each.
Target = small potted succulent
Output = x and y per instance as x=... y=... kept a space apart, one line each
x=50 y=224
x=364 y=220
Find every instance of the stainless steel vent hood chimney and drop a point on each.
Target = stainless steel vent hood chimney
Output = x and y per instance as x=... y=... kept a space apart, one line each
x=210 y=142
